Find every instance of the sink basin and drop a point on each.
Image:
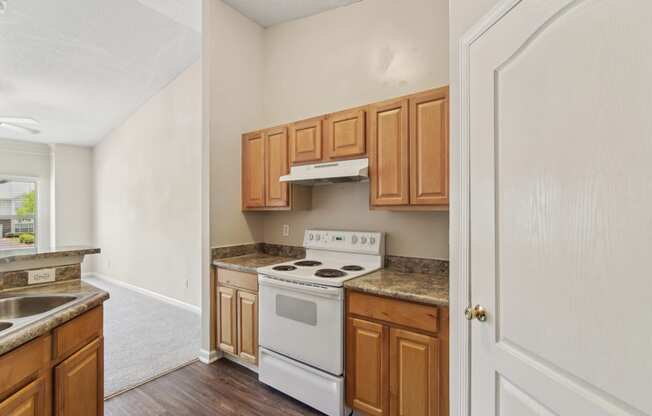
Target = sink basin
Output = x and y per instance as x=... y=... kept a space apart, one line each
x=24 y=306
x=5 y=325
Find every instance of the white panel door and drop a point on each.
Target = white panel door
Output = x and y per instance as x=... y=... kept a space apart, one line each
x=560 y=212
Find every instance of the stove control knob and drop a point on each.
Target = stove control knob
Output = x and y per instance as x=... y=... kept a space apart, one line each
x=318 y=237
x=363 y=240
x=354 y=239
x=311 y=236
x=372 y=240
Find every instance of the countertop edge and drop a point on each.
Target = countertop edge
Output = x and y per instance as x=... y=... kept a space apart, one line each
x=45 y=325
x=235 y=267
x=426 y=300
x=82 y=251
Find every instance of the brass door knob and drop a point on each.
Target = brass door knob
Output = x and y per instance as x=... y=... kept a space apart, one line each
x=476 y=312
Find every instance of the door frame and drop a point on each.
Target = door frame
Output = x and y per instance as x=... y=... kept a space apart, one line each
x=460 y=279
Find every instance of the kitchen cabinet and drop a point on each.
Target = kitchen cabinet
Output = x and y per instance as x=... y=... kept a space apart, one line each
x=345 y=135
x=60 y=373
x=28 y=401
x=306 y=141
x=247 y=326
x=408 y=156
x=237 y=308
x=253 y=170
x=367 y=366
x=397 y=357
x=389 y=153
x=276 y=165
x=264 y=161
x=226 y=332
x=429 y=148
x=79 y=382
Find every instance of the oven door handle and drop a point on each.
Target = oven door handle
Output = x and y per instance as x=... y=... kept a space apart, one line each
x=323 y=291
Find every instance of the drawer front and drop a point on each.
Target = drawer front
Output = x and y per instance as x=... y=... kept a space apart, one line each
x=74 y=334
x=23 y=363
x=408 y=314
x=239 y=280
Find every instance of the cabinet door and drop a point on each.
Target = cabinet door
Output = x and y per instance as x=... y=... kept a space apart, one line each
x=345 y=136
x=429 y=148
x=248 y=326
x=306 y=141
x=253 y=170
x=276 y=152
x=413 y=374
x=79 y=382
x=28 y=401
x=366 y=367
x=389 y=158
x=227 y=323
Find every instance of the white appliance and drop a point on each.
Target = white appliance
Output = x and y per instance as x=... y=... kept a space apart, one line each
x=355 y=170
x=301 y=315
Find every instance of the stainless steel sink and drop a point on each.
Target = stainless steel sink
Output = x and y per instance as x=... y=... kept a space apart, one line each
x=24 y=306
x=5 y=325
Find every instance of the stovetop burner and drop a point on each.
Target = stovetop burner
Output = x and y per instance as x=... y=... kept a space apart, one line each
x=330 y=273
x=284 y=268
x=308 y=263
x=353 y=268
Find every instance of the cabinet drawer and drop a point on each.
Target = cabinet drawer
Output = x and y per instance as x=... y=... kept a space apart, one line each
x=239 y=280
x=23 y=363
x=408 y=314
x=73 y=335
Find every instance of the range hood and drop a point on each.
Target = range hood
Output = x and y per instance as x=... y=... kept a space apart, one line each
x=329 y=172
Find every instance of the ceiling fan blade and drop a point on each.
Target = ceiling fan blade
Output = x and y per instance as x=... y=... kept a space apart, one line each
x=19 y=120
x=18 y=129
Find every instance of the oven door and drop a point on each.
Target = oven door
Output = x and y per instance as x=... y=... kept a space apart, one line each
x=303 y=322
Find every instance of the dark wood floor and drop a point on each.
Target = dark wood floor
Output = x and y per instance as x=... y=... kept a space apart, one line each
x=222 y=388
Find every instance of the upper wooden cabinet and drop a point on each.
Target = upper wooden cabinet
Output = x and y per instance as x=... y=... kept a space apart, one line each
x=408 y=155
x=389 y=157
x=253 y=170
x=345 y=135
x=406 y=141
x=276 y=160
x=429 y=148
x=306 y=141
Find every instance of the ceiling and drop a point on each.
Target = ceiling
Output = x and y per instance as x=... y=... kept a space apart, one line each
x=271 y=12
x=81 y=67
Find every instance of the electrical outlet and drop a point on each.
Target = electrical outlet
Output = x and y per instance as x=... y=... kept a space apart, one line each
x=40 y=276
x=286 y=230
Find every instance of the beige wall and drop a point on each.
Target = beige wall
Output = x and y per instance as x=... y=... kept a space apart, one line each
x=234 y=53
x=366 y=52
x=147 y=187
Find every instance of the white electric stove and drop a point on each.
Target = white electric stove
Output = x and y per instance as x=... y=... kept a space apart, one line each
x=301 y=315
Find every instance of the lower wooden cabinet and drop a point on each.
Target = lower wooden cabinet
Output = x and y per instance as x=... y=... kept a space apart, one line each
x=391 y=368
x=237 y=320
x=366 y=371
x=226 y=329
x=413 y=373
x=60 y=373
x=29 y=401
x=78 y=382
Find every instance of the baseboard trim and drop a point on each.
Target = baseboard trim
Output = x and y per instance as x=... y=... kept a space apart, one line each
x=208 y=357
x=192 y=308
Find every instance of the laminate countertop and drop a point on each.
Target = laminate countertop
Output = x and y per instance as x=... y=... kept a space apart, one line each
x=11 y=256
x=26 y=329
x=415 y=287
x=249 y=263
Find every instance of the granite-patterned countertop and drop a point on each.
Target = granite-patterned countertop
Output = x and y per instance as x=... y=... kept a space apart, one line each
x=10 y=256
x=249 y=263
x=26 y=329
x=416 y=287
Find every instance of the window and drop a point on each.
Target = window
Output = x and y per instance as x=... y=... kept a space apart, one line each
x=18 y=214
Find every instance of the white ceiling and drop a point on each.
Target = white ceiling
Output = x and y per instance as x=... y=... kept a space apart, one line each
x=81 y=67
x=271 y=12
